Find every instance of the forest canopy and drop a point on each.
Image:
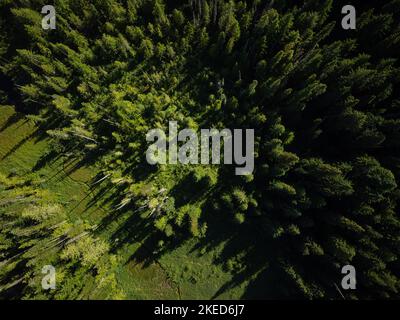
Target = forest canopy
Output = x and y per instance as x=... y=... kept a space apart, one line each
x=323 y=102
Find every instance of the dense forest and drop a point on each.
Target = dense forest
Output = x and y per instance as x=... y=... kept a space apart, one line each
x=324 y=103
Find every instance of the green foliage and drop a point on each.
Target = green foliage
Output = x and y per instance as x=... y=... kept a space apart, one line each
x=37 y=232
x=324 y=105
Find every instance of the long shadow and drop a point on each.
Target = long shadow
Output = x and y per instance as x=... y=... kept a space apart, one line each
x=14 y=118
x=18 y=145
x=246 y=243
x=248 y=247
x=45 y=159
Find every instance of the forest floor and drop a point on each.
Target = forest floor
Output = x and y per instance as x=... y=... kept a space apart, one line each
x=188 y=271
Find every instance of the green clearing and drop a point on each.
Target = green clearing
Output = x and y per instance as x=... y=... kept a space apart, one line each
x=186 y=272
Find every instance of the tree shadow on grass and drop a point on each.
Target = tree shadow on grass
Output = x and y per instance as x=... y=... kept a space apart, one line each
x=14 y=118
x=244 y=251
x=135 y=226
x=18 y=145
x=246 y=244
